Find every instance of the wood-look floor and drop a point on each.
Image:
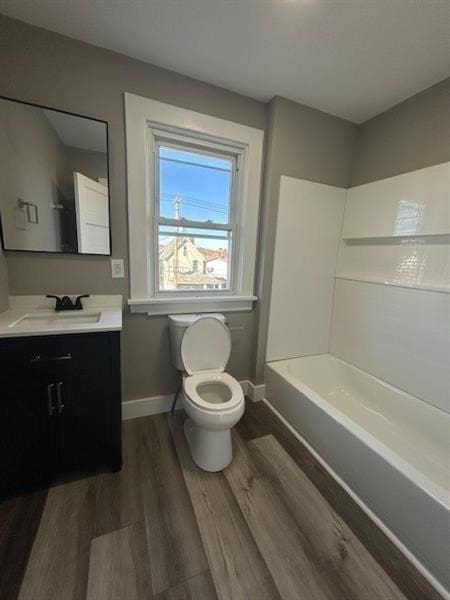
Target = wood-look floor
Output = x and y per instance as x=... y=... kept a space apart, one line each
x=272 y=525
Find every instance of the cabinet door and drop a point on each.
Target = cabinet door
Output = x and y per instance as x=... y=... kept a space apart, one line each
x=28 y=433
x=83 y=403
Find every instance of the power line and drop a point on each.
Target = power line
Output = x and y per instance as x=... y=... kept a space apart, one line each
x=206 y=203
x=201 y=207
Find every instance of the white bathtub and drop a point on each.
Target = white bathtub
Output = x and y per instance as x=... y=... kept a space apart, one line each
x=390 y=449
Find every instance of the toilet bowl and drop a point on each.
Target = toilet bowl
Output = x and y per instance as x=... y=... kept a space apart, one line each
x=213 y=399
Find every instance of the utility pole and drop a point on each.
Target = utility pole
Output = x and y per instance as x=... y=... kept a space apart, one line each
x=176 y=210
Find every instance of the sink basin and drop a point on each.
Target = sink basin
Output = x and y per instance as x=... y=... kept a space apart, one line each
x=55 y=320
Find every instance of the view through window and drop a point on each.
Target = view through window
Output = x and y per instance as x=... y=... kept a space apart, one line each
x=194 y=218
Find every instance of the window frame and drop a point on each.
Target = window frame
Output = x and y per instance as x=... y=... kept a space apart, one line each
x=143 y=114
x=206 y=146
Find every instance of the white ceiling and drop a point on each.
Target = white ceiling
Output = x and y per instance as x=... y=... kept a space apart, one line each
x=78 y=132
x=351 y=58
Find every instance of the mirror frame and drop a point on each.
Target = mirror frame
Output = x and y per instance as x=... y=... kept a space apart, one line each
x=66 y=112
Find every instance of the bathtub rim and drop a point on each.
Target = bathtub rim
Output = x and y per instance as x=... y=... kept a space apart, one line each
x=428 y=486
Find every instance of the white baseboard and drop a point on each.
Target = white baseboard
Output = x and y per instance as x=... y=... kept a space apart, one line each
x=155 y=405
x=394 y=539
x=244 y=386
x=143 y=407
x=254 y=392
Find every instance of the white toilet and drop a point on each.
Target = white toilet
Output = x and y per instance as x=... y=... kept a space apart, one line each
x=212 y=399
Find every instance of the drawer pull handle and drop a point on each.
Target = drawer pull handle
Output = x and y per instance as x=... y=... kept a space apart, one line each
x=59 y=396
x=50 y=398
x=41 y=359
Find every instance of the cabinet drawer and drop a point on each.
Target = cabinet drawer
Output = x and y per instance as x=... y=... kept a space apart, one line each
x=60 y=353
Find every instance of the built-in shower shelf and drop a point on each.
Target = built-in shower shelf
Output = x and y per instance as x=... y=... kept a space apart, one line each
x=378 y=281
x=435 y=237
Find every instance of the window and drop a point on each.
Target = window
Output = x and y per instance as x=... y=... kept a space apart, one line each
x=195 y=195
x=193 y=199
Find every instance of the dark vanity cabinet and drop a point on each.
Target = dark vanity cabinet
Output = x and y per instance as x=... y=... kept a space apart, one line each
x=60 y=407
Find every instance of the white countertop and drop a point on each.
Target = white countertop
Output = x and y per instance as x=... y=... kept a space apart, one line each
x=35 y=315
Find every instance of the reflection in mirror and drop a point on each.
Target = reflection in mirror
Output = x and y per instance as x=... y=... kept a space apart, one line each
x=53 y=181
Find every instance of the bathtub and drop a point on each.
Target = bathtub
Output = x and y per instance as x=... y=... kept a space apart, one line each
x=389 y=449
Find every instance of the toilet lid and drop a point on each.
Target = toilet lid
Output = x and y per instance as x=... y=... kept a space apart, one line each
x=206 y=345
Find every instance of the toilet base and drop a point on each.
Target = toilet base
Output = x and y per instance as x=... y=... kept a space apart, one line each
x=211 y=450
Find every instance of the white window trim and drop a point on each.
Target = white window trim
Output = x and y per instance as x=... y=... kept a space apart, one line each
x=139 y=113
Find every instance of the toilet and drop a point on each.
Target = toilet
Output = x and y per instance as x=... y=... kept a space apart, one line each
x=212 y=399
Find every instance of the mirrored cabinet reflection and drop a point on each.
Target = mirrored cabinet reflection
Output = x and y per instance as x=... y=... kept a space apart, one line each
x=54 y=190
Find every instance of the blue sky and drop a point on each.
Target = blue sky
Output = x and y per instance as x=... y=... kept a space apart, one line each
x=204 y=190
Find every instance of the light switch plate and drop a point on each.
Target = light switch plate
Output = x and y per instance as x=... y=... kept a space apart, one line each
x=117 y=268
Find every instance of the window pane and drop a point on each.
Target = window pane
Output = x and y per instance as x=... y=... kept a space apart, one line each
x=190 y=263
x=194 y=186
x=195 y=157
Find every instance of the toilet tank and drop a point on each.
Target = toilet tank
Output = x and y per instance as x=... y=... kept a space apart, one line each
x=177 y=326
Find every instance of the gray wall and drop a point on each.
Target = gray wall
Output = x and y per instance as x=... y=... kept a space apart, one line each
x=89 y=163
x=46 y=68
x=4 y=288
x=305 y=143
x=412 y=135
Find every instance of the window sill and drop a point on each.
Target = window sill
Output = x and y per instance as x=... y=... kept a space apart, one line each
x=168 y=306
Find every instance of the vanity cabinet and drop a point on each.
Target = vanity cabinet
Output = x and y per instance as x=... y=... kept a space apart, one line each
x=60 y=407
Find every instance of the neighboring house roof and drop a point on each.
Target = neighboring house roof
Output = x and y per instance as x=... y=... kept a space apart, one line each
x=209 y=254
x=165 y=252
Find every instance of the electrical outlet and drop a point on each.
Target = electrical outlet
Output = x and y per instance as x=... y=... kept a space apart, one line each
x=117 y=268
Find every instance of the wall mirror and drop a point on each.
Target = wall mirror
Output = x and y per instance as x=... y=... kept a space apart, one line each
x=53 y=181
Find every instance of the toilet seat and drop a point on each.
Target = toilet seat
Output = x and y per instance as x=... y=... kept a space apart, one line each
x=206 y=346
x=193 y=382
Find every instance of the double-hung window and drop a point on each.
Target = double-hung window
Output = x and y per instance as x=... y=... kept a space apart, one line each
x=193 y=201
x=196 y=200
